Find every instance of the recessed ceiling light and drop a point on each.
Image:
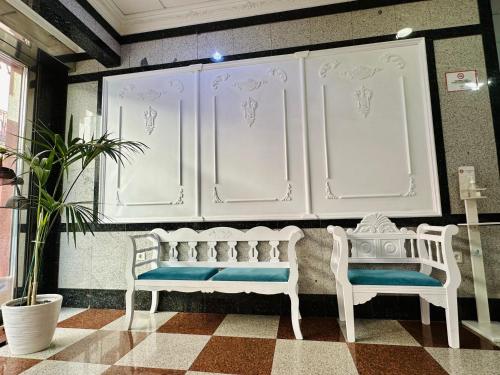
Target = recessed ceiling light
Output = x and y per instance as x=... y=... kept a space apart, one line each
x=403 y=33
x=217 y=57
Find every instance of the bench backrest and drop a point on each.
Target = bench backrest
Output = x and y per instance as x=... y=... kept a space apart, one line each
x=236 y=241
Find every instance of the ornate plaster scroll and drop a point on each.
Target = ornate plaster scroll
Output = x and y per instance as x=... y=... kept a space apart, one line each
x=363 y=97
x=394 y=59
x=328 y=191
x=278 y=73
x=249 y=85
x=249 y=108
x=360 y=72
x=288 y=195
x=411 y=188
x=176 y=85
x=326 y=67
x=150 y=117
x=219 y=80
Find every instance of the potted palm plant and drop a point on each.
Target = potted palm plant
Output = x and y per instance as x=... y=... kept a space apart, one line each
x=30 y=320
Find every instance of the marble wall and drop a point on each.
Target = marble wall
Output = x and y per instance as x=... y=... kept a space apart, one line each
x=98 y=262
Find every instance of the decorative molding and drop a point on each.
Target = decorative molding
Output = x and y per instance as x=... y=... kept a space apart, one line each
x=126 y=90
x=325 y=138
x=177 y=202
x=363 y=98
x=176 y=85
x=285 y=133
x=375 y=223
x=435 y=299
x=326 y=67
x=150 y=117
x=278 y=73
x=286 y=197
x=397 y=60
x=220 y=233
x=180 y=14
x=328 y=191
x=359 y=298
x=216 y=198
x=151 y=95
x=411 y=189
x=249 y=108
x=405 y=122
x=411 y=192
x=249 y=85
x=218 y=80
x=360 y=72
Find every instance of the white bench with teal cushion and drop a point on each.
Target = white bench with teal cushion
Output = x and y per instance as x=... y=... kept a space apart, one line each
x=376 y=240
x=220 y=259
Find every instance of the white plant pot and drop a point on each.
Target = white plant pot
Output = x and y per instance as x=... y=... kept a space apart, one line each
x=30 y=329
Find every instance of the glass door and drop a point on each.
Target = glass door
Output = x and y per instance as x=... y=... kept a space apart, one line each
x=13 y=77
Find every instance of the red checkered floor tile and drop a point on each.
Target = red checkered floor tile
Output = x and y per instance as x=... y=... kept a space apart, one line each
x=95 y=341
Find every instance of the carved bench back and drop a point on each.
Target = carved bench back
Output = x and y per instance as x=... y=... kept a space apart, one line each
x=230 y=243
x=377 y=240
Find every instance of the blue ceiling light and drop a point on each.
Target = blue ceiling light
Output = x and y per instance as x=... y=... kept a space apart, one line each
x=217 y=57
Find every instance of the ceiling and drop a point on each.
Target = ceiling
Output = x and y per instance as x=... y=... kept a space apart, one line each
x=132 y=16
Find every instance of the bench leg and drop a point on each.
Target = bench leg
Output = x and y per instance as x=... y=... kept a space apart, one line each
x=294 y=301
x=452 y=320
x=340 y=302
x=129 y=307
x=349 y=314
x=425 y=311
x=297 y=291
x=154 y=301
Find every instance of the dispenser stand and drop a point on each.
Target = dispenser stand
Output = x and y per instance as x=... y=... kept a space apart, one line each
x=470 y=193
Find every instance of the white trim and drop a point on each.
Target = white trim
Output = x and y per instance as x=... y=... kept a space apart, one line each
x=195 y=13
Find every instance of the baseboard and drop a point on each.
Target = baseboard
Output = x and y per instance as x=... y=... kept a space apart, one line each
x=381 y=307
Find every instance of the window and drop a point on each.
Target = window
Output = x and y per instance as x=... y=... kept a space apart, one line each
x=12 y=103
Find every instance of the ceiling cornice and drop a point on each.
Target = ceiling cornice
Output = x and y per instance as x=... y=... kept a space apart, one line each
x=195 y=14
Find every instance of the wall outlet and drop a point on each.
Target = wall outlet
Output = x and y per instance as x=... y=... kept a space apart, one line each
x=142 y=256
x=458 y=256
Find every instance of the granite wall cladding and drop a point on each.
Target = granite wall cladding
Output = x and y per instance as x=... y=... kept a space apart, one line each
x=467 y=122
x=423 y=15
x=99 y=262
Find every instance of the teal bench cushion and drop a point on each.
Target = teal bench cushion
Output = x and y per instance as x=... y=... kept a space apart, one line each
x=391 y=277
x=179 y=273
x=253 y=274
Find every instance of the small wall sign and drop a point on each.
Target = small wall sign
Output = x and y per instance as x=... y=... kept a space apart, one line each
x=464 y=80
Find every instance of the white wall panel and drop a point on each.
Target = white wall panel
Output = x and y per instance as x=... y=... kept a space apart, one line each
x=371 y=127
x=159 y=109
x=251 y=143
x=331 y=133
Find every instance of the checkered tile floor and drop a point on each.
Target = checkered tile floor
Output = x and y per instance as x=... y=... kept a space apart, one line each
x=95 y=342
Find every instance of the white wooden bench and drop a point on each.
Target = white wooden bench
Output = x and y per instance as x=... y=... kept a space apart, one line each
x=377 y=240
x=250 y=262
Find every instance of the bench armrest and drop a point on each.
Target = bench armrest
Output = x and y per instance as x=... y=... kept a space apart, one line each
x=132 y=261
x=296 y=235
x=435 y=250
x=339 y=260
